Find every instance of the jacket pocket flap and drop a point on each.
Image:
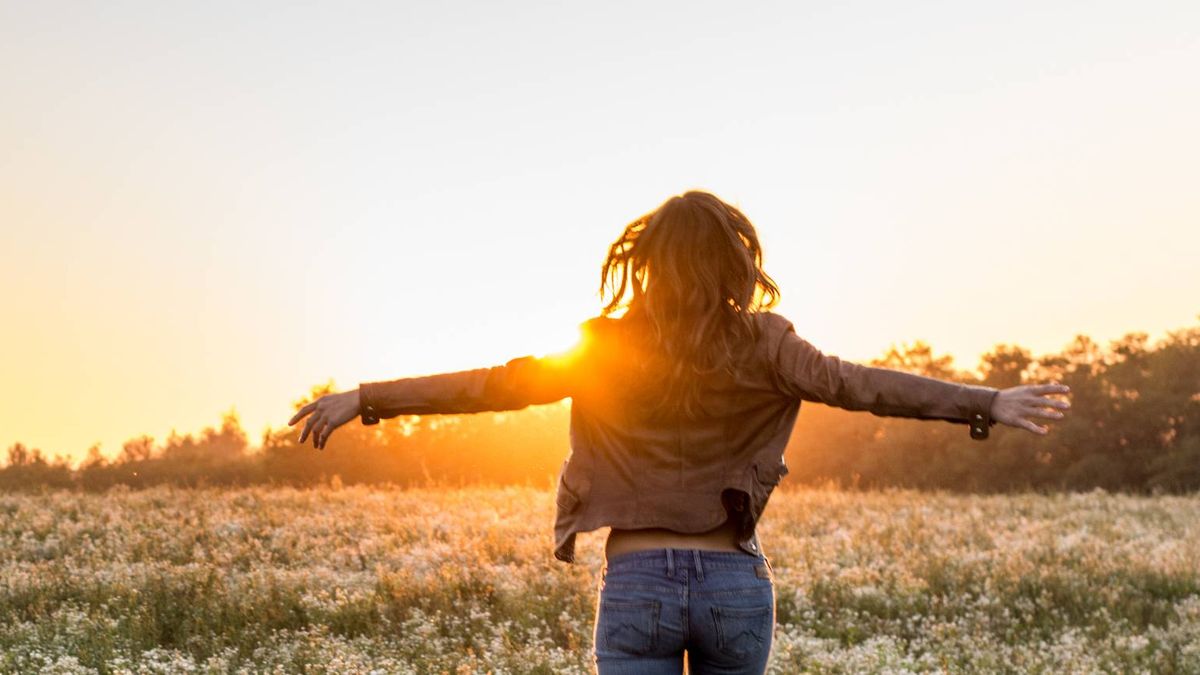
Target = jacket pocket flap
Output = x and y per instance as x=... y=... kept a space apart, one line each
x=770 y=474
x=566 y=499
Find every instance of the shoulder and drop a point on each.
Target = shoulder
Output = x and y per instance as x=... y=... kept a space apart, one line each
x=774 y=325
x=604 y=325
x=774 y=332
x=595 y=322
x=593 y=333
x=595 y=326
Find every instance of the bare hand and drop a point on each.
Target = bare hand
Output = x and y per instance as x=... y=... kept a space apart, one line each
x=329 y=412
x=1013 y=406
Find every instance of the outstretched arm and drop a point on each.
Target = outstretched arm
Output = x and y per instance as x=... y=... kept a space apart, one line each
x=523 y=381
x=519 y=383
x=807 y=373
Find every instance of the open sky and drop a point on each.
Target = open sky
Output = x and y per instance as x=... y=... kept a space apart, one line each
x=217 y=205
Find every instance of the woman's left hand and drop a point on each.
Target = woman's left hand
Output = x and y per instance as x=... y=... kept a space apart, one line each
x=1015 y=405
x=329 y=412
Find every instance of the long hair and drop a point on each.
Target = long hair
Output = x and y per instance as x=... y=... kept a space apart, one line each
x=688 y=276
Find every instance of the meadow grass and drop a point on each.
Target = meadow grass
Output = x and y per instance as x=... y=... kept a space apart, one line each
x=359 y=579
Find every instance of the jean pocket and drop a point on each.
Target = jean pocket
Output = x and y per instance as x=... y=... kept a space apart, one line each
x=743 y=632
x=629 y=626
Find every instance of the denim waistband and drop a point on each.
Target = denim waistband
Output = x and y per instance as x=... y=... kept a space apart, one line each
x=682 y=557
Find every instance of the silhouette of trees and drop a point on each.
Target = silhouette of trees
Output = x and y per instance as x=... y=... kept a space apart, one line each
x=28 y=468
x=1134 y=425
x=1005 y=366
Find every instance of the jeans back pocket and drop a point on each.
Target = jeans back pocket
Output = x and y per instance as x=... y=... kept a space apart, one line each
x=743 y=631
x=630 y=626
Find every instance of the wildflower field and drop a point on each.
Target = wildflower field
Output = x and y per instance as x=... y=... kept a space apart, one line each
x=358 y=579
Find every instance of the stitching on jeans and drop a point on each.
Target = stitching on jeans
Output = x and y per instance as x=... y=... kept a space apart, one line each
x=631 y=586
x=736 y=592
x=724 y=564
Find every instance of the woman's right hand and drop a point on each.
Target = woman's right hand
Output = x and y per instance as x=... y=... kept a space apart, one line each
x=1015 y=405
x=329 y=412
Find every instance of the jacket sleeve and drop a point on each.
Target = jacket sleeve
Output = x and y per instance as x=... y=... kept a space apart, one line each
x=521 y=382
x=805 y=372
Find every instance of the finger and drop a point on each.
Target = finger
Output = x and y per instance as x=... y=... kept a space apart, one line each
x=302 y=412
x=1041 y=389
x=325 y=434
x=1037 y=429
x=1038 y=403
x=318 y=430
x=1051 y=403
x=1048 y=414
x=328 y=431
x=308 y=427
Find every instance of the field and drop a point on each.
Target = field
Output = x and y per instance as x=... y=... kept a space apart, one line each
x=345 y=580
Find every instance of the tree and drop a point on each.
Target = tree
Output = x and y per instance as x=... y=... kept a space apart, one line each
x=137 y=449
x=1005 y=366
x=918 y=358
x=19 y=455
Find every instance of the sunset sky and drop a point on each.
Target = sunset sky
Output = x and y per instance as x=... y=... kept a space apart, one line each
x=217 y=205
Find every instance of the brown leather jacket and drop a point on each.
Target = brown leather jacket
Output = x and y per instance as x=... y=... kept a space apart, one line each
x=629 y=471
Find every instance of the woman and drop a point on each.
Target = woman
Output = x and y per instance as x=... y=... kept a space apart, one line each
x=684 y=391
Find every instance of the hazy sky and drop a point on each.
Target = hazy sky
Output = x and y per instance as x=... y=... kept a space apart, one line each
x=220 y=204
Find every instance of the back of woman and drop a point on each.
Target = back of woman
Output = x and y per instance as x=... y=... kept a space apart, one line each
x=684 y=390
x=638 y=470
x=634 y=466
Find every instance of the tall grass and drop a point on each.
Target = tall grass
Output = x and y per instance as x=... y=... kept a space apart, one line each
x=364 y=579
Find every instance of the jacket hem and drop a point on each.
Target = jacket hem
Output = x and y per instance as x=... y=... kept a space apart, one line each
x=755 y=484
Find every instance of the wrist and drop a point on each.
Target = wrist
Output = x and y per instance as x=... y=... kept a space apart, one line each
x=983 y=418
x=366 y=408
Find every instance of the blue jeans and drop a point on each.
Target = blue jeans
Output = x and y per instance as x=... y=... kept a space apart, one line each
x=654 y=604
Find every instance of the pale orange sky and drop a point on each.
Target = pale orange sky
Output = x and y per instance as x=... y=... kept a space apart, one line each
x=220 y=205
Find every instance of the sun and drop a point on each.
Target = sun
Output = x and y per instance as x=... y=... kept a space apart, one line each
x=554 y=339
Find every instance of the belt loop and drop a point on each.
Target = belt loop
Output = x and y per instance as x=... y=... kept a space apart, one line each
x=699 y=567
x=670 y=563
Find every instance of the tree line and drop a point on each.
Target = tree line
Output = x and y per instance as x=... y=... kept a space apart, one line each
x=1134 y=425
